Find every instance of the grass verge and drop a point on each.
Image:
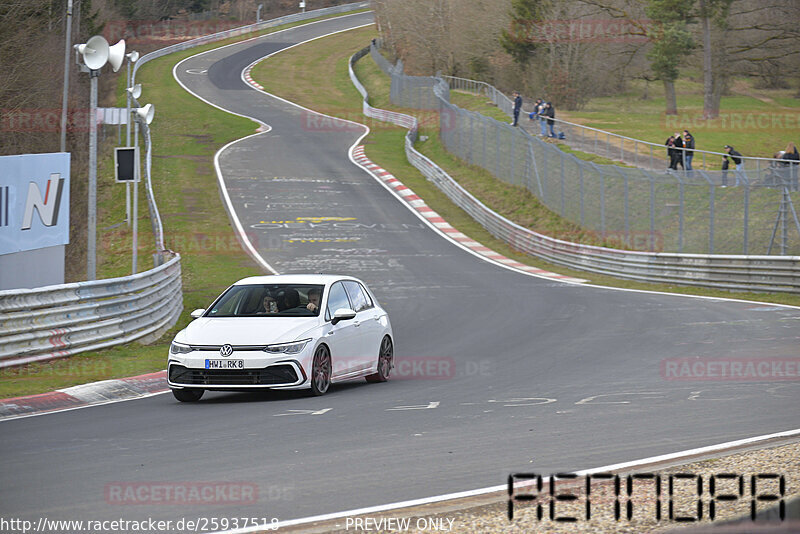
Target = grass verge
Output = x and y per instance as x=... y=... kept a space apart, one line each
x=384 y=146
x=758 y=122
x=195 y=223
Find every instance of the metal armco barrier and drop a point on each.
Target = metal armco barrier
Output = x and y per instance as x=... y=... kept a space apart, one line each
x=56 y=321
x=731 y=272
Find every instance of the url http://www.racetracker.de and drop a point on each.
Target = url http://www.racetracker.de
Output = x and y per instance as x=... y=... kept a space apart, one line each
x=197 y=524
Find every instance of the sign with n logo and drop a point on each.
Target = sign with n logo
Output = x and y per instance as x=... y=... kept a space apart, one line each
x=34 y=201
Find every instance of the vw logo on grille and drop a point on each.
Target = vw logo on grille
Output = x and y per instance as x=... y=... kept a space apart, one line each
x=226 y=350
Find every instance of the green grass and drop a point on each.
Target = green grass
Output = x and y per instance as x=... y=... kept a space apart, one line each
x=757 y=122
x=384 y=146
x=195 y=224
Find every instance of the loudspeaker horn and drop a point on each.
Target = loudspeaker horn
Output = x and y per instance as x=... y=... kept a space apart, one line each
x=116 y=55
x=136 y=90
x=133 y=57
x=145 y=113
x=94 y=52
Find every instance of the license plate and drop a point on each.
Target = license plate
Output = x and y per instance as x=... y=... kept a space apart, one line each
x=224 y=364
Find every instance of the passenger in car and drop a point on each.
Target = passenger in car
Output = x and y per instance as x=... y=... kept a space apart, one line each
x=270 y=305
x=313 y=300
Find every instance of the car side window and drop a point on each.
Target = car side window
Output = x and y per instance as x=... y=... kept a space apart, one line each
x=357 y=295
x=337 y=298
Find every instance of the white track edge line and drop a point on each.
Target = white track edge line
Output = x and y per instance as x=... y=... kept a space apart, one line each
x=376 y=177
x=504 y=487
x=252 y=252
x=73 y=408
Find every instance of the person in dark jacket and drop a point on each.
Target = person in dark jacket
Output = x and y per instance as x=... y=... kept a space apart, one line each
x=517 y=107
x=688 y=144
x=670 y=144
x=678 y=151
x=737 y=160
x=550 y=113
x=792 y=158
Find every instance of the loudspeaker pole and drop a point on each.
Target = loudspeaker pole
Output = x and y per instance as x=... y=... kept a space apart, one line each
x=65 y=97
x=91 y=248
x=135 y=196
x=128 y=143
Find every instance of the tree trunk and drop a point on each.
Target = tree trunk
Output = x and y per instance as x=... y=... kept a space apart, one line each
x=708 y=71
x=669 y=95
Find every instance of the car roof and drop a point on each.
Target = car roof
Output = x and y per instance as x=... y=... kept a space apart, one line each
x=325 y=279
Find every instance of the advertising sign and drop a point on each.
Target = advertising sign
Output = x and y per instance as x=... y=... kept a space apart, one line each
x=34 y=201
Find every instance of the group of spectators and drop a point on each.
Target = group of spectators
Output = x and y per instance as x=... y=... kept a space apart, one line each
x=543 y=111
x=680 y=150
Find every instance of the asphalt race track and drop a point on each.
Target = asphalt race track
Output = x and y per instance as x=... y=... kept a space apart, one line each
x=500 y=372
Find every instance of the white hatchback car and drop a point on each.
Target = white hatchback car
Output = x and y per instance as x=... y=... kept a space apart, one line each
x=283 y=332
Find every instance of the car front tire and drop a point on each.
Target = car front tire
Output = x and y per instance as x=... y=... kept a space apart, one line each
x=321 y=371
x=385 y=361
x=188 y=394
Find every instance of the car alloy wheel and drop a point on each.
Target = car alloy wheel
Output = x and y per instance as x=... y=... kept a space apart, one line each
x=321 y=371
x=385 y=361
x=188 y=394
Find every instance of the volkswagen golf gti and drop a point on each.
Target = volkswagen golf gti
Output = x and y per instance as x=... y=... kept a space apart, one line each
x=294 y=331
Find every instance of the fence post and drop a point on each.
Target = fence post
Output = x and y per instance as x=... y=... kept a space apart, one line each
x=602 y=204
x=746 y=217
x=627 y=220
x=485 y=122
x=497 y=152
x=711 y=219
x=511 y=157
x=680 y=217
x=580 y=178
x=562 y=183
x=471 y=142
x=652 y=212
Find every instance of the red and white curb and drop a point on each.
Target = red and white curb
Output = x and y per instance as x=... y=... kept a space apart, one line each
x=250 y=79
x=107 y=391
x=438 y=222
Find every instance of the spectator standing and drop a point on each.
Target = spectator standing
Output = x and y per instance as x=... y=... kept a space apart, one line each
x=550 y=113
x=737 y=160
x=543 y=118
x=678 y=151
x=535 y=113
x=688 y=144
x=517 y=107
x=670 y=144
x=792 y=157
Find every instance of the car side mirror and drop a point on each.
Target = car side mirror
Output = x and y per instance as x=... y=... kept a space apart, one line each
x=343 y=314
x=197 y=313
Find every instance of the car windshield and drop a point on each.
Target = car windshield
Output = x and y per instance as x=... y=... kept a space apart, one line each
x=268 y=300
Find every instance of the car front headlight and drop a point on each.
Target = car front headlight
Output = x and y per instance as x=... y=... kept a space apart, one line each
x=177 y=348
x=287 y=348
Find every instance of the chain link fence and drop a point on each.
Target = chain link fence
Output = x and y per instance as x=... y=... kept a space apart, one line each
x=741 y=211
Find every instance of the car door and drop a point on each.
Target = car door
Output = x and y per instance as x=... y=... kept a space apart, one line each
x=343 y=337
x=369 y=329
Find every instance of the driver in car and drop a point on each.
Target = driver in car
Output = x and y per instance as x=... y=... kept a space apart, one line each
x=313 y=300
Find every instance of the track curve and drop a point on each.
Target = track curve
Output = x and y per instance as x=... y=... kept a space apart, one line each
x=528 y=374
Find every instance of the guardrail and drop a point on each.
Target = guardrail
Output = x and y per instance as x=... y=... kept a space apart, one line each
x=62 y=320
x=734 y=211
x=732 y=272
x=56 y=321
